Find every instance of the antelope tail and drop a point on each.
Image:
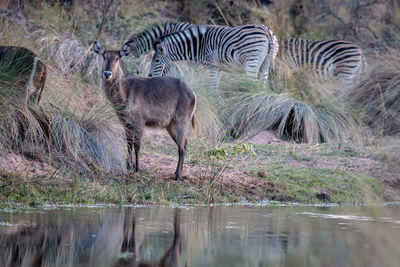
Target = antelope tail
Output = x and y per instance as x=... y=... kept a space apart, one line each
x=193 y=123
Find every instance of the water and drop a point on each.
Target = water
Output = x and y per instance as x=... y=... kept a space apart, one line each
x=201 y=236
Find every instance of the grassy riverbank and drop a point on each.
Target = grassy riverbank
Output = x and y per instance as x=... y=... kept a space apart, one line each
x=280 y=171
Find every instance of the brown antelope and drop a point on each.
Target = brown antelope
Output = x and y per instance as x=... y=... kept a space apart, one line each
x=172 y=257
x=24 y=68
x=162 y=102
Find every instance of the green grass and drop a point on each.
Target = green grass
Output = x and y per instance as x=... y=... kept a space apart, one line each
x=303 y=185
x=298 y=171
x=75 y=189
x=295 y=184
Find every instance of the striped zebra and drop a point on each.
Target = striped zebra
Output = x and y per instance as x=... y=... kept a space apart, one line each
x=141 y=43
x=249 y=48
x=328 y=58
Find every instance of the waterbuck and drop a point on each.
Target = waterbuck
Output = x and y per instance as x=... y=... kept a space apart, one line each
x=23 y=69
x=162 y=102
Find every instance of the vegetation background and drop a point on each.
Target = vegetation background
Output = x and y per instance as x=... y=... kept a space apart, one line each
x=299 y=139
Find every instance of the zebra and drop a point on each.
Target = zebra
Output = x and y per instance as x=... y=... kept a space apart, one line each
x=328 y=58
x=251 y=48
x=141 y=43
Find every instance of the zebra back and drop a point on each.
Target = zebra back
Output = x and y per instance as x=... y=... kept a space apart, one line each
x=141 y=43
x=328 y=58
x=224 y=46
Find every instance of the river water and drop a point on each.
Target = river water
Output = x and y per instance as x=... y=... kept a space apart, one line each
x=201 y=236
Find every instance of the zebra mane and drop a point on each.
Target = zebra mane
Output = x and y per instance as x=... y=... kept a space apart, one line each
x=154 y=30
x=196 y=31
x=141 y=43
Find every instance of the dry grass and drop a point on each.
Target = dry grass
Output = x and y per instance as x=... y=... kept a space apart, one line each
x=377 y=97
x=84 y=129
x=295 y=105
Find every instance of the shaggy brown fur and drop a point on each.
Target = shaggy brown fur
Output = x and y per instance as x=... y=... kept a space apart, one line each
x=162 y=102
x=29 y=74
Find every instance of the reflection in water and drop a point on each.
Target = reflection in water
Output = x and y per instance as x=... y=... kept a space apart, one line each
x=172 y=257
x=201 y=236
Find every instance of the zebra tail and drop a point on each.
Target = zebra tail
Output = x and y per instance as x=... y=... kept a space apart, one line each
x=274 y=49
x=364 y=64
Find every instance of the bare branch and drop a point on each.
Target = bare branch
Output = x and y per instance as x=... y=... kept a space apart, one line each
x=106 y=7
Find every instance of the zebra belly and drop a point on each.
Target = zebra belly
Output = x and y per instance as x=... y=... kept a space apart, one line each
x=245 y=60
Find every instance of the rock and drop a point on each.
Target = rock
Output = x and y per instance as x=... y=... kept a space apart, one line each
x=324 y=196
x=262 y=174
x=262 y=138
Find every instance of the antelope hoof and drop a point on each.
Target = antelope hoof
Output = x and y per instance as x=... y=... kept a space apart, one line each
x=177 y=177
x=129 y=165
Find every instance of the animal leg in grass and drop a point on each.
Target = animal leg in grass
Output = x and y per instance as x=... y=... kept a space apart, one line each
x=137 y=141
x=44 y=122
x=214 y=73
x=23 y=125
x=178 y=135
x=265 y=68
x=129 y=139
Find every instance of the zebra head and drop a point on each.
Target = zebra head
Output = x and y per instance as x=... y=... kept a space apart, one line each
x=161 y=63
x=125 y=50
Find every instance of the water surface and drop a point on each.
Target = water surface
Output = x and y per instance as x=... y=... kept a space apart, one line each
x=201 y=236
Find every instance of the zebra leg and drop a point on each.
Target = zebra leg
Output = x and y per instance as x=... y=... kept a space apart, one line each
x=214 y=73
x=264 y=70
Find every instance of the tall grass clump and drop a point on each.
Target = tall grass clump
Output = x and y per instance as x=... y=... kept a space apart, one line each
x=85 y=134
x=377 y=97
x=15 y=115
x=85 y=131
x=295 y=105
x=208 y=120
x=16 y=109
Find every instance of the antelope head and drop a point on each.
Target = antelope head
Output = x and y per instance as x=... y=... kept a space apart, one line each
x=112 y=64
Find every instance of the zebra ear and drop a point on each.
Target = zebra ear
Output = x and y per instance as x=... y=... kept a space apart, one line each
x=160 y=48
x=125 y=50
x=97 y=48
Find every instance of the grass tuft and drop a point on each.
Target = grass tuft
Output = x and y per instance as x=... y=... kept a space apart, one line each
x=377 y=97
x=295 y=106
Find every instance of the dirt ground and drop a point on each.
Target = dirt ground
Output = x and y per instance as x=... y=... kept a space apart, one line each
x=311 y=156
x=234 y=179
x=19 y=164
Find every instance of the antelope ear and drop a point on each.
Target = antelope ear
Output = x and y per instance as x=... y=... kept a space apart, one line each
x=160 y=48
x=97 y=48
x=125 y=50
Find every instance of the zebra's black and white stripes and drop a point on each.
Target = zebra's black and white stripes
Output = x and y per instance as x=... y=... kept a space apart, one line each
x=328 y=58
x=249 y=48
x=140 y=44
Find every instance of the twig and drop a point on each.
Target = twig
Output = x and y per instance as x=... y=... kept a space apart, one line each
x=106 y=7
x=222 y=14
